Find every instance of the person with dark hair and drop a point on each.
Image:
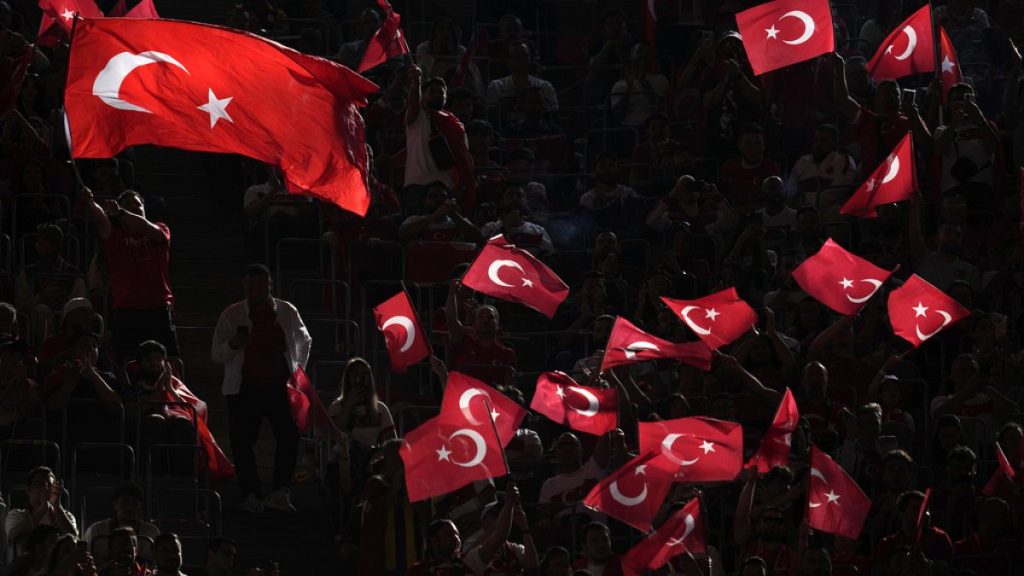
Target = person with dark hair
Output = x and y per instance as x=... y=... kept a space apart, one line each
x=45 y=285
x=607 y=192
x=77 y=317
x=351 y=53
x=440 y=221
x=123 y=560
x=596 y=548
x=932 y=541
x=80 y=378
x=167 y=558
x=822 y=171
x=44 y=508
x=127 y=513
x=556 y=562
x=753 y=566
x=534 y=121
x=34 y=553
x=508 y=91
x=221 y=553
x=137 y=252
x=479 y=344
x=261 y=341
x=741 y=177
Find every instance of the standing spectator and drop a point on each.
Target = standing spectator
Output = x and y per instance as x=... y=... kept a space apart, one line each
x=970 y=145
x=887 y=16
x=45 y=285
x=508 y=92
x=823 y=169
x=742 y=177
x=137 y=252
x=44 y=508
x=436 y=146
x=441 y=220
x=598 y=557
x=385 y=117
x=261 y=341
x=730 y=96
x=127 y=513
x=351 y=53
x=640 y=92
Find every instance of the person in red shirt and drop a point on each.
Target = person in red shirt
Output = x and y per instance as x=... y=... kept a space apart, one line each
x=598 y=557
x=741 y=177
x=933 y=542
x=137 y=253
x=478 y=344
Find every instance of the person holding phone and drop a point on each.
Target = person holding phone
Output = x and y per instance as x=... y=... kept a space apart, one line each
x=969 y=143
x=44 y=508
x=261 y=341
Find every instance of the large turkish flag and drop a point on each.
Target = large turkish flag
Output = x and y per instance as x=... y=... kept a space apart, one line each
x=781 y=33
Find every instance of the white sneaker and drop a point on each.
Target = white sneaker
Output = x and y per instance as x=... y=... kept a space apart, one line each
x=279 y=500
x=251 y=504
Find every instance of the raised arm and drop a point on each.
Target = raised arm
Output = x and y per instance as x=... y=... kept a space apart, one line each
x=498 y=533
x=456 y=332
x=412 y=103
x=94 y=212
x=135 y=224
x=848 y=107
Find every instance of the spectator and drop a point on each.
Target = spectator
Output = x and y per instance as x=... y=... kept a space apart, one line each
x=960 y=15
x=271 y=214
x=77 y=318
x=261 y=341
x=766 y=535
x=479 y=344
x=167 y=559
x=127 y=513
x=609 y=52
x=124 y=545
x=480 y=136
x=955 y=494
x=560 y=495
x=861 y=453
x=932 y=541
x=44 y=508
x=742 y=177
x=441 y=220
x=519 y=169
x=70 y=558
x=640 y=92
x=519 y=231
x=507 y=92
x=607 y=192
x=657 y=144
x=8 y=322
x=753 y=566
x=533 y=122
x=510 y=557
x=35 y=553
x=970 y=145
x=970 y=393
x=137 y=252
x=731 y=99
x=598 y=557
x=510 y=31
x=385 y=117
x=556 y=562
x=81 y=378
x=822 y=171
x=351 y=53
x=45 y=285
x=436 y=146
x=874 y=30
x=465 y=105
x=442 y=53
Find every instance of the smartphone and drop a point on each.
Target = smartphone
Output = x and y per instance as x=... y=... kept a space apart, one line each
x=909 y=96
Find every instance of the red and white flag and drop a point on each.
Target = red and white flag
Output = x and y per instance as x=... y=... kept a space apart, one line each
x=835 y=504
x=58 y=17
x=302 y=399
x=700 y=449
x=583 y=408
x=405 y=340
x=144 y=9
x=776 y=442
x=894 y=180
x=951 y=74
x=909 y=49
x=717 y=319
x=387 y=42
x=1002 y=480
x=634 y=492
x=918 y=310
x=444 y=454
x=628 y=344
x=651 y=23
x=209 y=88
x=838 y=279
x=505 y=272
x=471 y=401
x=783 y=32
x=683 y=532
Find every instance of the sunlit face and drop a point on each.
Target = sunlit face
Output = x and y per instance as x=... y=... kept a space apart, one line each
x=133 y=203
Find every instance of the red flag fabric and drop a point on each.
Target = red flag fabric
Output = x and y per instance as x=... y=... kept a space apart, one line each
x=444 y=454
x=909 y=49
x=838 y=279
x=951 y=74
x=892 y=181
x=303 y=399
x=208 y=88
x=1002 y=479
x=583 y=408
x=717 y=319
x=404 y=337
x=651 y=23
x=781 y=33
x=628 y=344
x=505 y=272
x=776 y=442
x=682 y=532
x=918 y=310
x=217 y=464
x=15 y=70
x=144 y=9
x=387 y=42
x=58 y=17
x=460 y=405
x=634 y=492
x=701 y=449
x=920 y=515
x=119 y=9
x=835 y=504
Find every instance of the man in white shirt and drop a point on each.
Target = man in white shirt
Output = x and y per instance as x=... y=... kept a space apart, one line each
x=526 y=235
x=44 y=508
x=512 y=87
x=606 y=191
x=561 y=494
x=261 y=341
x=823 y=170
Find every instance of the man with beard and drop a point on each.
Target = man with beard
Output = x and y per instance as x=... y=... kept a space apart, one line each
x=825 y=168
x=769 y=536
x=932 y=541
x=436 y=147
x=167 y=555
x=607 y=192
x=941 y=267
x=478 y=344
x=598 y=557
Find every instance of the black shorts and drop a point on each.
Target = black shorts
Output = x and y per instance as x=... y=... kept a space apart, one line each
x=133 y=326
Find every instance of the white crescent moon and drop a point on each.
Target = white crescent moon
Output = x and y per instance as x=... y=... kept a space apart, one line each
x=689 y=524
x=911 y=43
x=817 y=474
x=107 y=86
x=685 y=312
x=666 y=450
x=464 y=400
x=625 y=500
x=946 y=319
x=592 y=400
x=478 y=440
x=876 y=283
x=808 y=26
x=404 y=322
x=634 y=347
x=497 y=265
x=894 y=169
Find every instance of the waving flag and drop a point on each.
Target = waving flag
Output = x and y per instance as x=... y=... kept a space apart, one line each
x=950 y=75
x=464 y=400
x=583 y=408
x=505 y=272
x=387 y=42
x=777 y=441
x=628 y=344
x=835 y=504
x=59 y=15
x=702 y=449
x=909 y=49
x=717 y=319
x=894 y=180
x=634 y=492
x=683 y=532
x=918 y=311
x=783 y=32
x=405 y=340
x=444 y=454
x=838 y=279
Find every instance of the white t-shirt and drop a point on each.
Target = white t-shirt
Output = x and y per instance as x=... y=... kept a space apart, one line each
x=97 y=535
x=366 y=435
x=419 y=164
x=643 y=99
x=555 y=488
x=504 y=89
x=836 y=169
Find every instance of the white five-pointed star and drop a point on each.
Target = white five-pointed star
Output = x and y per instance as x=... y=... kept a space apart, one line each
x=494 y=414
x=641 y=469
x=832 y=497
x=871 y=184
x=707 y=447
x=920 y=310
x=560 y=392
x=947 y=65
x=772 y=32
x=443 y=453
x=527 y=283
x=847 y=283
x=711 y=314
x=67 y=14
x=217 y=108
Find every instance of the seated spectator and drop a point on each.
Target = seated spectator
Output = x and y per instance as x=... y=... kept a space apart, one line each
x=931 y=540
x=366 y=421
x=440 y=221
x=657 y=143
x=556 y=562
x=441 y=54
x=598 y=557
x=533 y=122
x=969 y=145
x=896 y=476
x=993 y=534
x=480 y=135
x=21 y=415
x=731 y=98
x=861 y=452
x=78 y=317
x=519 y=169
x=220 y=557
x=44 y=508
x=80 y=378
x=607 y=192
x=124 y=545
x=476 y=345
x=35 y=196
x=561 y=494
x=127 y=513
x=970 y=394
x=955 y=492
x=351 y=53
x=741 y=178
x=822 y=171
x=767 y=535
x=609 y=52
x=167 y=555
x=45 y=285
x=507 y=93
x=640 y=92
x=510 y=31
x=271 y=213
x=69 y=557
x=519 y=231
x=35 y=553
x=8 y=322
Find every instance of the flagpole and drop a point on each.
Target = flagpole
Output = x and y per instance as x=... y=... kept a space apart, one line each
x=67 y=120
x=494 y=427
x=707 y=530
x=936 y=54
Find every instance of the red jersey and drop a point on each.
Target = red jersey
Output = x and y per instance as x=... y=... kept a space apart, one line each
x=742 y=184
x=138 y=269
x=878 y=135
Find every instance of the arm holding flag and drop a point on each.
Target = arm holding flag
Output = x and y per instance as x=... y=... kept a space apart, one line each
x=848 y=107
x=733 y=368
x=413 y=105
x=498 y=534
x=97 y=214
x=456 y=332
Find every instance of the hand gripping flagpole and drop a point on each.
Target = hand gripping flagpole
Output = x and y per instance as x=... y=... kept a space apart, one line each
x=494 y=427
